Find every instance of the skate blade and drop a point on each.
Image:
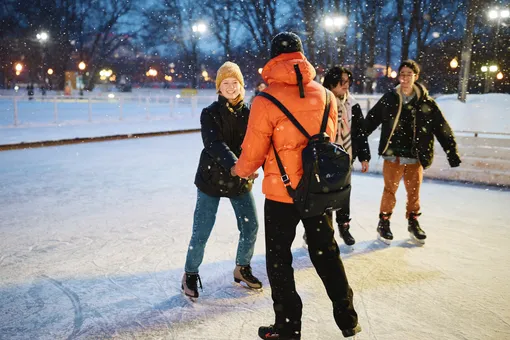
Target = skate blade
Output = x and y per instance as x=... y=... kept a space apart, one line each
x=383 y=240
x=246 y=286
x=416 y=240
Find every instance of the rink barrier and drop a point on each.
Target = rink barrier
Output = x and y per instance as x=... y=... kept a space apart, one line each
x=31 y=145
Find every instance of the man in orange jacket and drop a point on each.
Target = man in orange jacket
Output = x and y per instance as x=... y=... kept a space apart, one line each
x=290 y=79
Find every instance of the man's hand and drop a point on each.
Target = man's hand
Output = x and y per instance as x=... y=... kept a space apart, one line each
x=364 y=166
x=253 y=176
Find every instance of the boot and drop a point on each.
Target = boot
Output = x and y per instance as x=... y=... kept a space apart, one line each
x=346 y=235
x=189 y=285
x=244 y=274
x=383 y=228
x=415 y=231
x=270 y=332
x=351 y=333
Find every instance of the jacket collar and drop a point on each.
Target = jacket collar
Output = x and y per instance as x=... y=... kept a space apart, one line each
x=281 y=69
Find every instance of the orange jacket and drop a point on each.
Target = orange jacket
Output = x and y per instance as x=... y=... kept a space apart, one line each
x=268 y=123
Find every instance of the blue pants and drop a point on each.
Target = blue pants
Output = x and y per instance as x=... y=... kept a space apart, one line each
x=203 y=222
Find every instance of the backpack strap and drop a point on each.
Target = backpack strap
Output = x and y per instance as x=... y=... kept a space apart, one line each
x=285 y=177
x=286 y=112
x=326 y=113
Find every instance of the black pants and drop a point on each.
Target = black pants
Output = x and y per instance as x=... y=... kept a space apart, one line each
x=281 y=220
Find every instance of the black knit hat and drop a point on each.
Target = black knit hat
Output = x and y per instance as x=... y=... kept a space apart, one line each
x=285 y=42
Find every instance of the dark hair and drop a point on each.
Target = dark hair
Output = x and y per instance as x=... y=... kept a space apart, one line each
x=334 y=76
x=413 y=65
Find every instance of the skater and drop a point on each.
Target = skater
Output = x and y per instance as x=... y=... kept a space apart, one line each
x=349 y=134
x=291 y=80
x=259 y=88
x=223 y=126
x=410 y=119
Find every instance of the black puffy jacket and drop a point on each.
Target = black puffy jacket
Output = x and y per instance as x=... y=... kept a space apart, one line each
x=223 y=128
x=428 y=121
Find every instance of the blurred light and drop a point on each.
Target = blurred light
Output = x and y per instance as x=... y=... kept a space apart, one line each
x=436 y=35
x=18 y=67
x=172 y=70
x=111 y=95
x=199 y=27
x=260 y=70
x=499 y=76
x=177 y=96
x=168 y=78
x=484 y=68
x=151 y=73
x=43 y=36
x=493 y=68
x=18 y=73
x=335 y=23
x=454 y=63
x=16 y=88
x=504 y=13
x=493 y=14
x=171 y=65
x=82 y=65
x=113 y=78
x=393 y=74
x=50 y=71
x=205 y=74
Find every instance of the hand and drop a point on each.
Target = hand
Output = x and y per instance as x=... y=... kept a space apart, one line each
x=233 y=172
x=364 y=166
x=253 y=176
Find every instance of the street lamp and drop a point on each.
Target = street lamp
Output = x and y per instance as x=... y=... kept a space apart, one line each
x=18 y=67
x=42 y=37
x=81 y=66
x=498 y=14
x=333 y=24
x=197 y=29
x=487 y=70
x=454 y=63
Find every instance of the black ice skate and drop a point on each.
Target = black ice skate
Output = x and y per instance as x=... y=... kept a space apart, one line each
x=415 y=231
x=189 y=285
x=351 y=333
x=244 y=274
x=270 y=332
x=346 y=234
x=383 y=229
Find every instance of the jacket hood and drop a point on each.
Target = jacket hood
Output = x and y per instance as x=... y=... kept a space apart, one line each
x=420 y=90
x=281 y=69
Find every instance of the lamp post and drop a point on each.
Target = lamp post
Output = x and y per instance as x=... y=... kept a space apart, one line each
x=197 y=30
x=488 y=70
x=498 y=14
x=42 y=37
x=333 y=24
x=81 y=66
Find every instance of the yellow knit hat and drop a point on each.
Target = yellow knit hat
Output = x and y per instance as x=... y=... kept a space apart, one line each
x=229 y=70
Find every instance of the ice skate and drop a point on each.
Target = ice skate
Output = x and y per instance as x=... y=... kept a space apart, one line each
x=415 y=231
x=269 y=332
x=351 y=333
x=346 y=234
x=384 y=233
x=190 y=284
x=244 y=274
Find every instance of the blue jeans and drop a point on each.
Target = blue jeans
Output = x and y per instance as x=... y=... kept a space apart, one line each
x=203 y=222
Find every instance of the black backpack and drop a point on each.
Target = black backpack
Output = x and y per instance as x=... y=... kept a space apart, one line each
x=326 y=180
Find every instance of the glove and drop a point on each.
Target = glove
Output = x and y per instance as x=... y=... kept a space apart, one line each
x=454 y=161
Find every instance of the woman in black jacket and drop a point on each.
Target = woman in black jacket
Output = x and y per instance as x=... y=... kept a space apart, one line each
x=223 y=126
x=409 y=119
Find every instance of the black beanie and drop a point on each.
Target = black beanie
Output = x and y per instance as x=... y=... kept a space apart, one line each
x=285 y=42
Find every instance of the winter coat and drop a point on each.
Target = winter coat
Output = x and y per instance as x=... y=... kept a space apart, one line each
x=428 y=121
x=268 y=124
x=360 y=147
x=223 y=129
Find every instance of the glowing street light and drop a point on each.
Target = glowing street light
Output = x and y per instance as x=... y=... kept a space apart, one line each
x=499 y=76
x=199 y=27
x=454 y=63
x=42 y=37
x=82 y=66
x=18 y=67
x=50 y=71
x=151 y=73
x=487 y=70
x=393 y=74
x=498 y=14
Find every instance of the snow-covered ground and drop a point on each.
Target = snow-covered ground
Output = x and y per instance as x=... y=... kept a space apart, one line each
x=93 y=240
